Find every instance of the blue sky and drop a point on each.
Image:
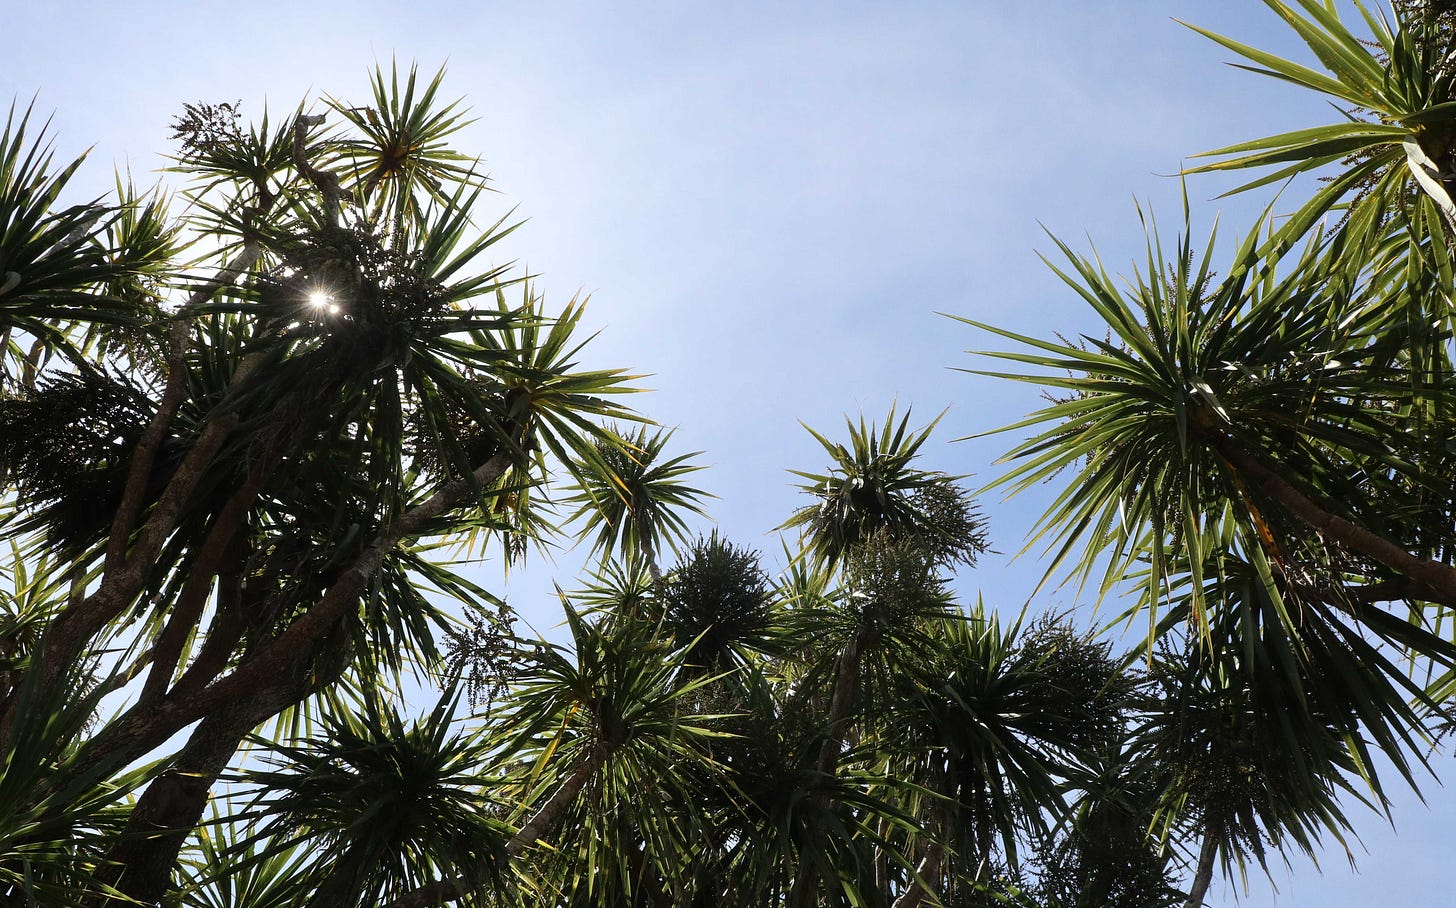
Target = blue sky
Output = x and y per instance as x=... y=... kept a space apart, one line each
x=768 y=203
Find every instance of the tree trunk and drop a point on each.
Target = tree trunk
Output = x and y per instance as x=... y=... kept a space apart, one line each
x=928 y=868
x=841 y=705
x=181 y=623
x=1203 y=876
x=841 y=709
x=140 y=865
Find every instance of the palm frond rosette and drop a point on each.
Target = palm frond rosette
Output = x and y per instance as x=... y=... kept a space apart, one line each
x=872 y=487
x=1214 y=403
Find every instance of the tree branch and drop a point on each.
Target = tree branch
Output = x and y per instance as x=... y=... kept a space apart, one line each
x=140 y=729
x=326 y=182
x=1203 y=876
x=1438 y=578
x=144 y=457
x=190 y=601
x=928 y=867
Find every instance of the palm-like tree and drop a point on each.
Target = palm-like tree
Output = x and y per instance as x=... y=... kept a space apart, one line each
x=1107 y=850
x=1397 y=138
x=385 y=806
x=872 y=488
x=1225 y=771
x=994 y=723
x=230 y=866
x=634 y=499
x=55 y=271
x=1254 y=451
x=581 y=735
x=887 y=530
x=299 y=429
x=1195 y=432
x=1208 y=459
x=230 y=484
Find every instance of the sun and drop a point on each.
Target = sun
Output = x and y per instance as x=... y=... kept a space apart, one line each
x=321 y=300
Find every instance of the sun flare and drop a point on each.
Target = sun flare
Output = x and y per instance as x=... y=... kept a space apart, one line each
x=321 y=300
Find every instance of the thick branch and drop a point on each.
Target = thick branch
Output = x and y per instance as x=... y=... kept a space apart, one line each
x=141 y=729
x=355 y=579
x=79 y=622
x=429 y=895
x=140 y=864
x=73 y=628
x=188 y=608
x=558 y=802
x=841 y=705
x=144 y=457
x=69 y=632
x=1438 y=578
x=841 y=709
x=325 y=181
x=928 y=867
x=1203 y=876
x=224 y=632
x=1400 y=589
